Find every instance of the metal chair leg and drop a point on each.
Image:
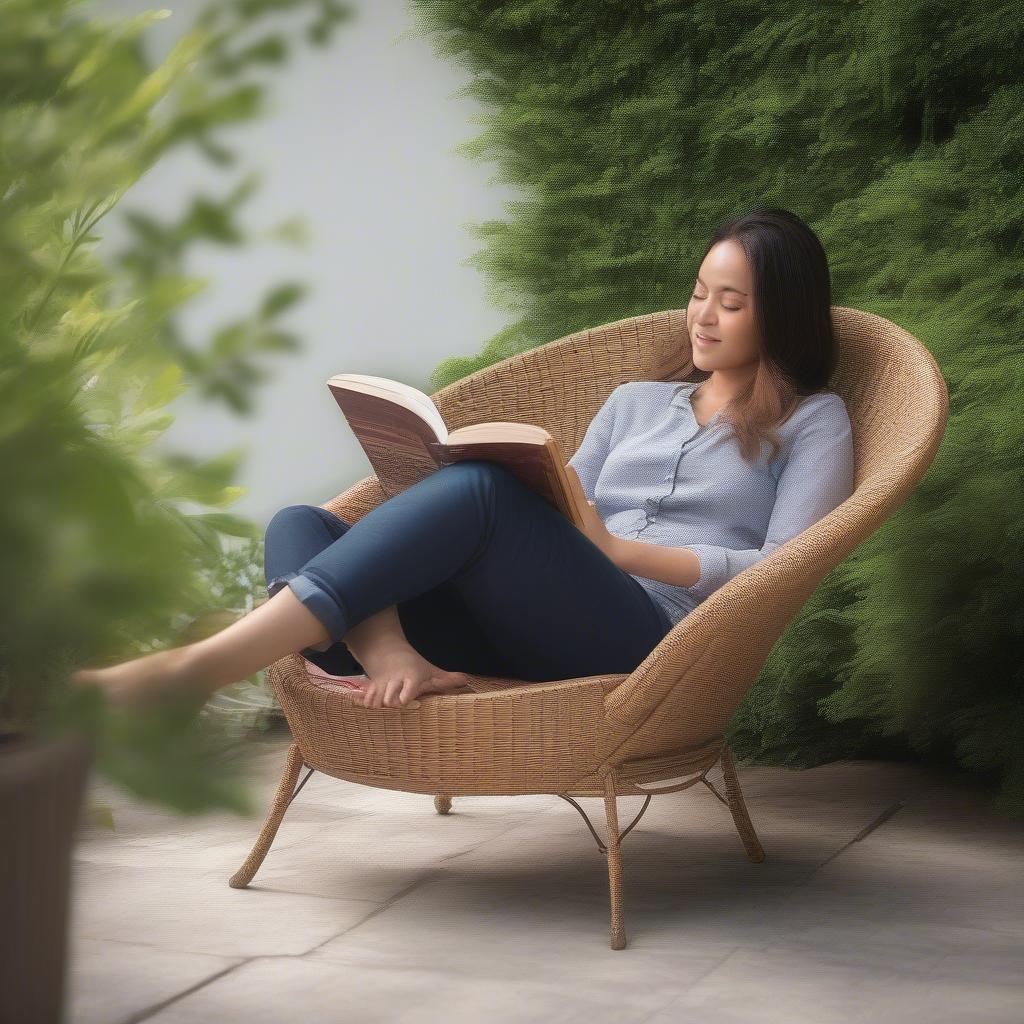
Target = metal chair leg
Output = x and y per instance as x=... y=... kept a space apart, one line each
x=286 y=792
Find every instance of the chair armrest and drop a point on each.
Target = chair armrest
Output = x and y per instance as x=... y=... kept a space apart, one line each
x=690 y=685
x=362 y=497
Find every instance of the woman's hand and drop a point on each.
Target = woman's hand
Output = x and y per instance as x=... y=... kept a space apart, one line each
x=593 y=524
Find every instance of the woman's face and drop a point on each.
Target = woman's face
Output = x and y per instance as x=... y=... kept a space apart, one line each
x=722 y=308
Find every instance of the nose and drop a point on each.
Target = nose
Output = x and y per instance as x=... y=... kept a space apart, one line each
x=701 y=306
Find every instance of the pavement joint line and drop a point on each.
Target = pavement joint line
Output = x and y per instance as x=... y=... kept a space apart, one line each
x=150 y=1011
x=257 y=889
x=862 y=834
x=381 y=907
x=97 y=937
x=428 y=875
x=696 y=981
x=431 y=874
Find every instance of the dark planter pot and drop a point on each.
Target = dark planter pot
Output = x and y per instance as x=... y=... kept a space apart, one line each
x=42 y=784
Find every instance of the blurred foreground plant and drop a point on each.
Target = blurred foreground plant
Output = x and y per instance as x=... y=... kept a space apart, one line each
x=100 y=561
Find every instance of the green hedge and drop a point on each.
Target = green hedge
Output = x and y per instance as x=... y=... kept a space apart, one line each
x=896 y=131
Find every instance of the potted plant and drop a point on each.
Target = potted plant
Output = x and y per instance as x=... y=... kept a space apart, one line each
x=101 y=561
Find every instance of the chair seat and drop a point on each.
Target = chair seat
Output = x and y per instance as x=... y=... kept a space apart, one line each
x=495 y=736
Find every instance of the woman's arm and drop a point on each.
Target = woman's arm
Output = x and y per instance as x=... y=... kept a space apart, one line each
x=671 y=565
x=592 y=452
x=818 y=477
x=678 y=566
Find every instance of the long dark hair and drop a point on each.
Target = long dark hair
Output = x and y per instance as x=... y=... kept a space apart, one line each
x=792 y=302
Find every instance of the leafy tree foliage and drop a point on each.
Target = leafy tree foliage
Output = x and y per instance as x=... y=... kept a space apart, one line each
x=99 y=559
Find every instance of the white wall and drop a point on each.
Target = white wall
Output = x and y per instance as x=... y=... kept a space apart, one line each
x=359 y=143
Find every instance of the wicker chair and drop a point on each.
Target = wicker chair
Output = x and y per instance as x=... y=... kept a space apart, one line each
x=617 y=735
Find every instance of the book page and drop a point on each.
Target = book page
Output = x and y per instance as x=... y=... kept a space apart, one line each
x=419 y=402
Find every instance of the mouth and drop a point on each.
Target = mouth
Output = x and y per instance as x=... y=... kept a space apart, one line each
x=703 y=339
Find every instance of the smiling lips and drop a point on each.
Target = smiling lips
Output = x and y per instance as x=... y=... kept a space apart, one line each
x=704 y=338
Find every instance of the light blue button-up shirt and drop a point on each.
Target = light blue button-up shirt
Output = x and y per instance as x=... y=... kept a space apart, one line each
x=656 y=475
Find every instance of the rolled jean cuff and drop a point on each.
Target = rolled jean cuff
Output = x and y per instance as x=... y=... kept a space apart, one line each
x=316 y=598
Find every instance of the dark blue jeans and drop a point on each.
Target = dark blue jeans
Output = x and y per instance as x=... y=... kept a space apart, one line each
x=486 y=576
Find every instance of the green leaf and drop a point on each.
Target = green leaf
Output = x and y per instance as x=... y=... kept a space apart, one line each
x=182 y=57
x=235 y=526
x=160 y=389
x=280 y=298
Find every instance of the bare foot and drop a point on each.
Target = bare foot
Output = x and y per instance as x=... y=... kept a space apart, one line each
x=146 y=681
x=397 y=679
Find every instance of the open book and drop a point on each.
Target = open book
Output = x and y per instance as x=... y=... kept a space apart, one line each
x=406 y=439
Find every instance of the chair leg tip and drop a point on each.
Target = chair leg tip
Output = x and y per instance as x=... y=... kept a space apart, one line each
x=753 y=849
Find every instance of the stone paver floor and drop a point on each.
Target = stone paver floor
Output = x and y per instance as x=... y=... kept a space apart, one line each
x=887 y=890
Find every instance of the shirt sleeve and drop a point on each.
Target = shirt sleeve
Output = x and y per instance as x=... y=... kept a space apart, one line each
x=817 y=478
x=592 y=452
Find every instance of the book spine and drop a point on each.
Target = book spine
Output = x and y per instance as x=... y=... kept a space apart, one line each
x=398 y=444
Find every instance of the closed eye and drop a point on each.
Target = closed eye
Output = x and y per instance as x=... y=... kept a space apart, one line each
x=733 y=308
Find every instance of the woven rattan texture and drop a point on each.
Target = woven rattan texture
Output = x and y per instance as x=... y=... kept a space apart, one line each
x=672 y=711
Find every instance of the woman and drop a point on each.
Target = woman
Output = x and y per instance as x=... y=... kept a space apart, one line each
x=687 y=483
